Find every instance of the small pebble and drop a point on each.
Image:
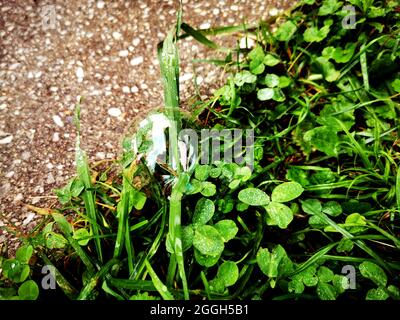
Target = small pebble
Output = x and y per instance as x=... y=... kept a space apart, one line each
x=57 y=120
x=136 y=61
x=123 y=53
x=116 y=35
x=273 y=12
x=100 y=4
x=205 y=25
x=114 y=112
x=50 y=178
x=136 y=41
x=185 y=77
x=80 y=74
x=18 y=197
x=56 y=137
x=28 y=219
x=6 y=140
x=246 y=42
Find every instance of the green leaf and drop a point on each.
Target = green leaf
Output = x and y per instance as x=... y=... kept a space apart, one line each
x=332 y=208
x=72 y=189
x=253 y=197
x=228 y=170
x=396 y=85
x=329 y=7
x=138 y=199
x=344 y=55
x=286 y=31
x=376 y=294
x=355 y=223
x=296 y=286
x=228 y=272
x=313 y=34
x=81 y=235
x=286 y=191
x=203 y=211
x=327 y=53
x=243 y=77
x=216 y=286
x=328 y=69
x=205 y=260
x=394 y=291
x=340 y=109
x=374 y=273
x=326 y=291
x=215 y=172
x=271 y=80
x=375 y=12
x=345 y=245
x=278 y=96
x=62 y=222
x=278 y=215
x=256 y=57
x=187 y=237
x=55 y=241
x=194 y=187
x=209 y=189
x=14 y=270
x=143 y=296
x=325 y=274
x=284 y=82
x=234 y=184
x=317 y=222
x=256 y=54
x=208 y=240
x=341 y=283
x=256 y=67
x=227 y=229
x=265 y=94
x=226 y=204
x=308 y=276
x=28 y=290
x=269 y=261
x=271 y=60
x=311 y=206
x=201 y=172
x=240 y=206
x=324 y=139
x=24 y=253
x=243 y=173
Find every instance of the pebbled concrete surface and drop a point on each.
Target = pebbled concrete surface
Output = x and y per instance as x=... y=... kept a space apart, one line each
x=53 y=52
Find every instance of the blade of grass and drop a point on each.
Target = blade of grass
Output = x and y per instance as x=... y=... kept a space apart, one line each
x=200 y=37
x=161 y=288
x=169 y=63
x=93 y=282
x=364 y=67
x=123 y=209
x=145 y=285
x=66 y=229
x=88 y=195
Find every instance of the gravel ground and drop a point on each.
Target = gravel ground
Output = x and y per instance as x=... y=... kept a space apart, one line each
x=53 y=52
